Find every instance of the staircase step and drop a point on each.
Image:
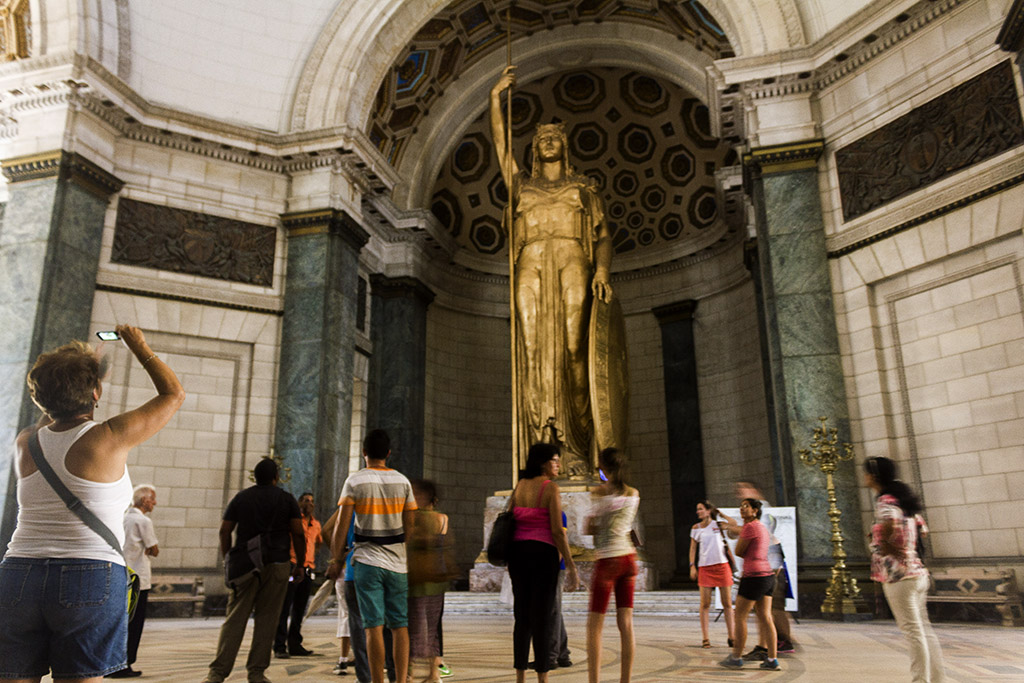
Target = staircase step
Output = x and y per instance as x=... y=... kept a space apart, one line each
x=662 y=603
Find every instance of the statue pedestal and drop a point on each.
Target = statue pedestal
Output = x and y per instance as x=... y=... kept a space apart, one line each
x=484 y=577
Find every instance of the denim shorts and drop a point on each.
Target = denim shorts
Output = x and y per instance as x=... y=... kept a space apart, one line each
x=63 y=616
x=383 y=596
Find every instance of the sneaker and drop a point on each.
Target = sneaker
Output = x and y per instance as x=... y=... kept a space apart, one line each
x=771 y=664
x=731 y=662
x=444 y=669
x=341 y=668
x=786 y=647
x=758 y=653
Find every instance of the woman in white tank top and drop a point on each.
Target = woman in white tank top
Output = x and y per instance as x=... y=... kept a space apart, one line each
x=613 y=510
x=62 y=587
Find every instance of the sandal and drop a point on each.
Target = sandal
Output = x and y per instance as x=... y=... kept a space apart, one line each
x=706 y=644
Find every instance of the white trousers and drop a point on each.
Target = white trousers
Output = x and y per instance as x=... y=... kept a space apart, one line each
x=339 y=591
x=908 y=601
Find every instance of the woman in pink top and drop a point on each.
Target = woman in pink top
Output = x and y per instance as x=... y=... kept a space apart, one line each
x=533 y=561
x=755 y=590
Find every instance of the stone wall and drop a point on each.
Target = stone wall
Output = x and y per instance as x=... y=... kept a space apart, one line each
x=226 y=361
x=929 y=303
x=934 y=330
x=648 y=441
x=467 y=448
x=734 y=421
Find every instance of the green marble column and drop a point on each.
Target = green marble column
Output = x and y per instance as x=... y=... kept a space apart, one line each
x=803 y=344
x=682 y=413
x=318 y=332
x=398 y=369
x=49 y=255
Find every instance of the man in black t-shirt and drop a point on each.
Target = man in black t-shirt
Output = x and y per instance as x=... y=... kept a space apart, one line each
x=273 y=515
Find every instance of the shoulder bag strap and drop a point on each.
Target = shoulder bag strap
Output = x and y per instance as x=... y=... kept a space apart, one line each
x=73 y=502
x=725 y=544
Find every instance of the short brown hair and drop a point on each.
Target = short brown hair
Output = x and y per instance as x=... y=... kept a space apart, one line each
x=62 y=381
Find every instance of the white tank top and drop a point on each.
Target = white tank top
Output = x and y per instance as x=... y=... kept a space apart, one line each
x=46 y=528
x=614 y=515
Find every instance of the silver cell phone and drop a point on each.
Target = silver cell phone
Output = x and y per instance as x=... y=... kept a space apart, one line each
x=108 y=335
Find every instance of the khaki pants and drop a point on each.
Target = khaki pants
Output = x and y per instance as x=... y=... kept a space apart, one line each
x=264 y=593
x=907 y=600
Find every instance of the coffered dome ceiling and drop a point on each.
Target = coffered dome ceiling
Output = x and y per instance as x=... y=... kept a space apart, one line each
x=646 y=144
x=467 y=30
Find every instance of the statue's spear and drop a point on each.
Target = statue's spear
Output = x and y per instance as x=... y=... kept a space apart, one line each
x=509 y=216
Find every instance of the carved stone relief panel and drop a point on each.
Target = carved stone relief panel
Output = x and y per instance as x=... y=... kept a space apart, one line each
x=181 y=241
x=966 y=125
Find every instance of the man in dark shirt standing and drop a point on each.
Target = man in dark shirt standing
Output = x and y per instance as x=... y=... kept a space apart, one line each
x=269 y=512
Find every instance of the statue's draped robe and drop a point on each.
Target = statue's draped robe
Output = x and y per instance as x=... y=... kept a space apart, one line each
x=555 y=228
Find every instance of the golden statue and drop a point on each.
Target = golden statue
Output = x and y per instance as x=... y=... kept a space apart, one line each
x=560 y=255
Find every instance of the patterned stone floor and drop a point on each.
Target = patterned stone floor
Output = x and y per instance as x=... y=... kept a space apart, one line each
x=478 y=648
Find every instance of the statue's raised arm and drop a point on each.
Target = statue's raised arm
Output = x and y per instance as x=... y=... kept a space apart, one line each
x=506 y=161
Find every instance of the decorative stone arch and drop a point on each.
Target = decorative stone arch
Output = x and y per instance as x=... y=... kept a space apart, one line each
x=759 y=26
x=362 y=38
x=567 y=48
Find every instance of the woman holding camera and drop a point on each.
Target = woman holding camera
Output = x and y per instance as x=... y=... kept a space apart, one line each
x=710 y=566
x=63 y=589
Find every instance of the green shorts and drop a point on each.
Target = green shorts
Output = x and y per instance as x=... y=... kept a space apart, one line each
x=383 y=596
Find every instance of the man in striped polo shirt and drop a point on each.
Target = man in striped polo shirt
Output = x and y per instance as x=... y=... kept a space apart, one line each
x=382 y=501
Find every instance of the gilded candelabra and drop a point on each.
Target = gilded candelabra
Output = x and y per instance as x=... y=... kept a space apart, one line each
x=284 y=474
x=842 y=597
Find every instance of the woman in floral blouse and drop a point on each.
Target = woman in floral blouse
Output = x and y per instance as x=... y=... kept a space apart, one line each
x=896 y=565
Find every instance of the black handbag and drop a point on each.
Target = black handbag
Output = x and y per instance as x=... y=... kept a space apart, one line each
x=499 y=545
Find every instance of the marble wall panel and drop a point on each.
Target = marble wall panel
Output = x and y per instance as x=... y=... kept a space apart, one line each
x=314 y=401
x=49 y=253
x=398 y=367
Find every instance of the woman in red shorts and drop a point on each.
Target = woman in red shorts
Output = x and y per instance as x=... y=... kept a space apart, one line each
x=613 y=510
x=710 y=567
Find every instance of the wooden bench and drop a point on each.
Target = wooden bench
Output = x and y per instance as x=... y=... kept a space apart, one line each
x=971 y=587
x=184 y=595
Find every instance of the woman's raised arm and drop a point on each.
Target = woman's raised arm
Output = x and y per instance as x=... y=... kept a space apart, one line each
x=131 y=428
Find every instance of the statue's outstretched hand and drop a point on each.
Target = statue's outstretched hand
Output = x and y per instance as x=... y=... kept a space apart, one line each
x=602 y=289
x=506 y=81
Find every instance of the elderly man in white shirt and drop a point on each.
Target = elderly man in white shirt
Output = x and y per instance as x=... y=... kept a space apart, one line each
x=139 y=545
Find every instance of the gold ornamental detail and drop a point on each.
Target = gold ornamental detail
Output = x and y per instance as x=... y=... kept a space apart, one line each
x=16 y=33
x=842 y=596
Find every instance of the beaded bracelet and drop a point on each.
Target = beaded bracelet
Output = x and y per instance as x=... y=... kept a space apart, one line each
x=148 y=359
